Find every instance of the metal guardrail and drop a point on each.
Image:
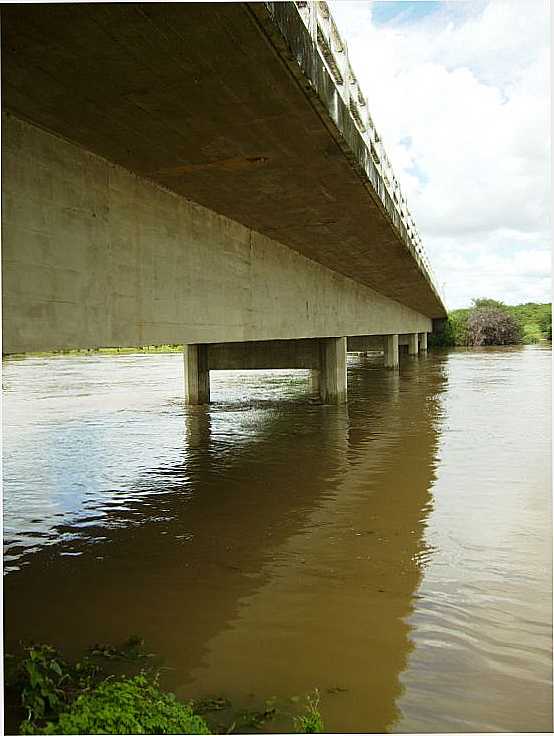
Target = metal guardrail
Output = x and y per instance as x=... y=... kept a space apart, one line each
x=326 y=38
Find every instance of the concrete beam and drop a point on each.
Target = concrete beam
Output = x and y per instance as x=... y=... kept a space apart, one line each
x=94 y=256
x=413 y=343
x=391 y=351
x=374 y=343
x=263 y=354
x=364 y=343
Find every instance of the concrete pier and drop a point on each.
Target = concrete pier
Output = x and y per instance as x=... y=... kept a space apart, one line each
x=315 y=380
x=390 y=345
x=332 y=387
x=423 y=342
x=197 y=374
x=325 y=357
x=413 y=343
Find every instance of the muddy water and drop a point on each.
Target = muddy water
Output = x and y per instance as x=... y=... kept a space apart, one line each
x=394 y=553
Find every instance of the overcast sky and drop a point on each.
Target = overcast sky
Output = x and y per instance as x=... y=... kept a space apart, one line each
x=460 y=93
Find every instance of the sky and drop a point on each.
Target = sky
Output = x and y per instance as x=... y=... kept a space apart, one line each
x=460 y=94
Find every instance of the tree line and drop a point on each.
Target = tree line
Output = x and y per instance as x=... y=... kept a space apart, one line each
x=491 y=322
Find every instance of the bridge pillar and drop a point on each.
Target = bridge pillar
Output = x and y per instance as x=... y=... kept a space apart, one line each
x=197 y=374
x=423 y=341
x=413 y=343
x=315 y=380
x=332 y=370
x=390 y=345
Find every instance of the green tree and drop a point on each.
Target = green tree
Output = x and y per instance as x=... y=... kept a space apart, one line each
x=545 y=322
x=484 y=303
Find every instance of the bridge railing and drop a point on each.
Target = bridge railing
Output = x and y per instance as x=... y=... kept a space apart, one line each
x=333 y=50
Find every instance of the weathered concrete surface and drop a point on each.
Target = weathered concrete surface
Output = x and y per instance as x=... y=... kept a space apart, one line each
x=276 y=354
x=413 y=344
x=391 y=351
x=94 y=255
x=332 y=370
x=197 y=374
x=363 y=343
x=227 y=104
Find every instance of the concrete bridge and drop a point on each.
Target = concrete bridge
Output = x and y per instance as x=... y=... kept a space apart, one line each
x=205 y=174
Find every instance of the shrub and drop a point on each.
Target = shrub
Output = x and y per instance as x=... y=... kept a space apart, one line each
x=45 y=682
x=127 y=706
x=545 y=322
x=453 y=330
x=492 y=326
x=459 y=322
x=62 y=698
x=78 y=698
x=532 y=333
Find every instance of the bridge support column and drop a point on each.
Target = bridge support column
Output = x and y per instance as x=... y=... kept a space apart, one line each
x=413 y=343
x=197 y=374
x=423 y=342
x=390 y=345
x=332 y=370
x=315 y=380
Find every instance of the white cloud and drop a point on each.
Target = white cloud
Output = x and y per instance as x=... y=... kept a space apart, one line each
x=461 y=98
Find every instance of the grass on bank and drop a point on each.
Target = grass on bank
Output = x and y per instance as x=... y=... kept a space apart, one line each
x=531 y=323
x=57 y=697
x=167 y=348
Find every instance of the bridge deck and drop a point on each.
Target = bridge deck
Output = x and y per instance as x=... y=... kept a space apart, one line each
x=202 y=99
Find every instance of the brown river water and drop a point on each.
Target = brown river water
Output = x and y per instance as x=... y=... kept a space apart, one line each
x=394 y=553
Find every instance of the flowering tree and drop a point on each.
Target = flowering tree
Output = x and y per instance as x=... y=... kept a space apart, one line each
x=492 y=326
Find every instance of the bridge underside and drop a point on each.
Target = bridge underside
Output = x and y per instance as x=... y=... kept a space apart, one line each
x=167 y=178
x=206 y=100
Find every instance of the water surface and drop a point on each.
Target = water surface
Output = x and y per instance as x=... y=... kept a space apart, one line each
x=395 y=553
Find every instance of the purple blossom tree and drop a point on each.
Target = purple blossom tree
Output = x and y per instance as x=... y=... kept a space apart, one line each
x=492 y=326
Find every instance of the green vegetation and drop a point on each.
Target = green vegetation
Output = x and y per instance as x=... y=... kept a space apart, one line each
x=535 y=321
x=174 y=348
x=133 y=705
x=490 y=322
x=310 y=722
x=57 y=697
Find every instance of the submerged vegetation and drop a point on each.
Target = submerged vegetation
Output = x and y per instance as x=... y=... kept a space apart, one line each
x=57 y=697
x=490 y=322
